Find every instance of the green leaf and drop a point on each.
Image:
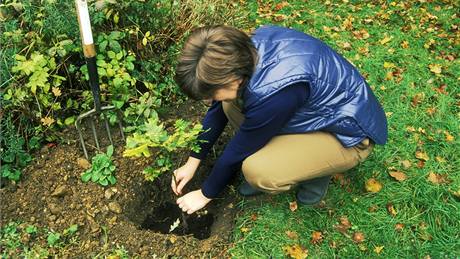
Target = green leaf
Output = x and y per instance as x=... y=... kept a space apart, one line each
x=95 y=176
x=112 y=179
x=69 y=120
x=110 y=151
x=86 y=176
x=104 y=182
x=53 y=238
x=111 y=54
x=103 y=45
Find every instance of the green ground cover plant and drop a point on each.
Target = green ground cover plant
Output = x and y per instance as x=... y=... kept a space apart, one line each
x=102 y=169
x=403 y=202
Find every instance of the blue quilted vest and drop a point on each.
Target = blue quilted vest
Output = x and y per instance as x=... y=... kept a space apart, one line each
x=340 y=100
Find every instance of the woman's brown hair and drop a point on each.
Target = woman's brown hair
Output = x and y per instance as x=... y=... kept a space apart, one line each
x=212 y=58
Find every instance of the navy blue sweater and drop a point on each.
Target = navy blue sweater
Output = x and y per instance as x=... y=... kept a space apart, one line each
x=259 y=126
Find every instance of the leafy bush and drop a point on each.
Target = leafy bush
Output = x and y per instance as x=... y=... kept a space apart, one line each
x=102 y=169
x=14 y=155
x=154 y=136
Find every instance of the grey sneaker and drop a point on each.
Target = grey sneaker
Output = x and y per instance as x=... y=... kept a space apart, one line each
x=246 y=189
x=312 y=191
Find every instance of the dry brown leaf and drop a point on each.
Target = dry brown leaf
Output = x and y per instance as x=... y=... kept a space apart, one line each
x=385 y=40
x=47 y=121
x=316 y=237
x=358 y=237
x=420 y=164
x=373 y=208
x=56 y=91
x=422 y=155
x=296 y=251
x=293 y=206
x=281 y=5
x=449 y=137
x=440 y=159
x=435 y=68
x=399 y=227
x=391 y=209
x=292 y=234
x=378 y=249
x=344 y=225
x=406 y=164
x=372 y=185
x=399 y=176
x=405 y=44
x=438 y=178
x=254 y=217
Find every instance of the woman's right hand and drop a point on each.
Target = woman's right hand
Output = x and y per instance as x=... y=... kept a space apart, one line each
x=183 y=175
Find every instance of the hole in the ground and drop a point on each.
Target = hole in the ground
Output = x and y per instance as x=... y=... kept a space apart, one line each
x=164 y=217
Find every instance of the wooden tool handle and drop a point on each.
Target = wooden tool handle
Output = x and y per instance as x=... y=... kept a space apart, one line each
x=85 y=28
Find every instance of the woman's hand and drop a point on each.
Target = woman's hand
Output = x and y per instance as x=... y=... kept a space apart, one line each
x=192 y=201
x=183 y=175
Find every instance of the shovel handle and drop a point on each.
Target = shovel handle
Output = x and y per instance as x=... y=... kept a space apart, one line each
x=89 y=50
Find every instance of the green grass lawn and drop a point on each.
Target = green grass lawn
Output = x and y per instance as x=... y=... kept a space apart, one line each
x=409 y=54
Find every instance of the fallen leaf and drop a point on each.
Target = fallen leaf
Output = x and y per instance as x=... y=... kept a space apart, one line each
x=417 y=99
x=346 y=46
x=296 y=251
x=372 y=185
x=449 y=137
x=420 y=164
x=391 y=209
x=406 y=164
x=378 y=249
x=56 y=91
x=440 y=159
x=332 y=244
x=385 y=40
x=358 y=237
x=172 y=239
x=388 y=65
x=405 y=44
x=293 y=206
x=316 y=237
x=438 y=178
x=372 y=208
x=422 y=155
x=47 y=121
x=281 y=5
x=399 y=227
x=399 y=176
x=292 y=234
x=244 y=229
x=435 y=68
x=83 y=163
x=344 y=225
x=361 y=34
x=254 y=217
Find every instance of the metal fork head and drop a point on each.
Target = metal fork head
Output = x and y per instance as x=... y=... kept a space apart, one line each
x=92 y=116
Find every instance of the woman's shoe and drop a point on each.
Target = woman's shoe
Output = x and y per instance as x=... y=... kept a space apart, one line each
x=312 y=191
x=246 y=189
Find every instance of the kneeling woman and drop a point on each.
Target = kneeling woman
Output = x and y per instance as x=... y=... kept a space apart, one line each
x=301 y=111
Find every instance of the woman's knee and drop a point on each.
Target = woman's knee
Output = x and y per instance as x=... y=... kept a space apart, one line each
x=259 y=178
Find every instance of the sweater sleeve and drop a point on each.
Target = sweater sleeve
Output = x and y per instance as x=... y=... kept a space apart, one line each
x=260 y=125
x=213 y=123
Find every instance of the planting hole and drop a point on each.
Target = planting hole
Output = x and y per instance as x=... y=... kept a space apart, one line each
x=164 y=217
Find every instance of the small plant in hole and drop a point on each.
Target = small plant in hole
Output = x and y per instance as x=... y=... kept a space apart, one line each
x=102 y=169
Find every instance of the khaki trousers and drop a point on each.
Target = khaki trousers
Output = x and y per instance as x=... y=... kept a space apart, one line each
x=289 y=159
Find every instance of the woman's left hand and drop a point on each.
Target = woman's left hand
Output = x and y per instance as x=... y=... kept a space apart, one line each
x=192 y=201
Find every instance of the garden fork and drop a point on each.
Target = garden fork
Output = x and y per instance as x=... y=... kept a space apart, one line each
x=90 y=56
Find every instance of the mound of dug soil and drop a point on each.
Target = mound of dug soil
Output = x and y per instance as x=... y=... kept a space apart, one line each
x=133 y=213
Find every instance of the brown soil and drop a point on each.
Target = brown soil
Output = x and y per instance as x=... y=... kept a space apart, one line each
x=51 y=195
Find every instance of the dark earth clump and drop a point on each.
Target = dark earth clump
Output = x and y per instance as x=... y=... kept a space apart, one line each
x=163 y=218
x=51 y=196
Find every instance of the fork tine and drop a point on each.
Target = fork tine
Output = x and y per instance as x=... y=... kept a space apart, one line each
x=93 y=128
x=107 y=127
